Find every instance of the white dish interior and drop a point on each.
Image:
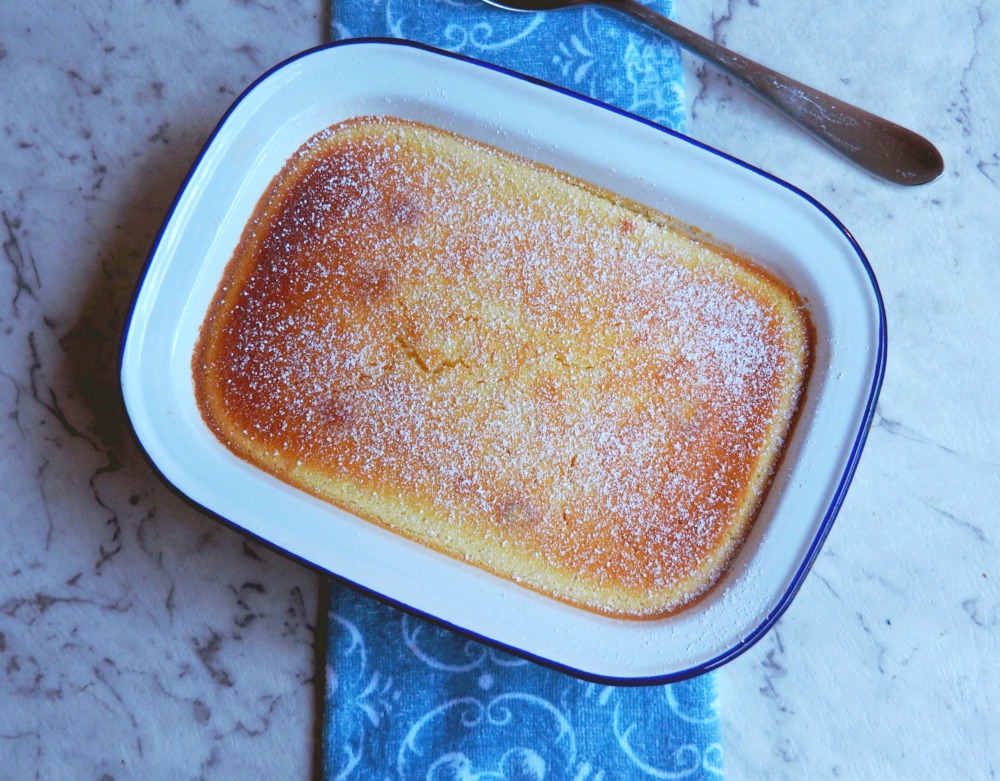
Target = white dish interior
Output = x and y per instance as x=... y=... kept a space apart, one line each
x=771 y=222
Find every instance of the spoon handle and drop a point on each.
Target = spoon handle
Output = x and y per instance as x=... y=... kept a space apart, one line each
x=877 y=145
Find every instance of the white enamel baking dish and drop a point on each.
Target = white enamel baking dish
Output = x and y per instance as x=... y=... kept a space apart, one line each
x=779 y=226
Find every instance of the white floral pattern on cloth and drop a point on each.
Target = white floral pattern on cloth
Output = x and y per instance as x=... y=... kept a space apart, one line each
x=407 y=699
x=597 y=52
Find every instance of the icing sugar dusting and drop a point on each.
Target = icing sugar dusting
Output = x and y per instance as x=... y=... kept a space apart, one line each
x=503 y=352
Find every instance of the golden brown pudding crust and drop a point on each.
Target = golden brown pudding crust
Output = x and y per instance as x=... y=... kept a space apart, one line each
x=505 y=364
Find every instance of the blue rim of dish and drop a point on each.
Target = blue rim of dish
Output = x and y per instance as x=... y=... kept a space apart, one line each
x=839 y=494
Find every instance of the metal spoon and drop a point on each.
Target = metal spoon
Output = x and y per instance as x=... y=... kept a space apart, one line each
x=877 y=145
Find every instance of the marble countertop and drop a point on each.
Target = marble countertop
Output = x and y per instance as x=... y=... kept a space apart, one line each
x=140 y=639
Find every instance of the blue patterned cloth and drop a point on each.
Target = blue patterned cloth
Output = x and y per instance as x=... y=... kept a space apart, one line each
x=597 y=52
x=407 y=699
